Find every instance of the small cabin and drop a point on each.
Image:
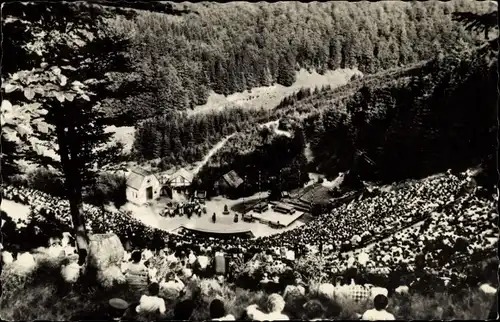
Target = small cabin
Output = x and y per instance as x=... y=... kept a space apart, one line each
x=142 y=187
x=228 y=183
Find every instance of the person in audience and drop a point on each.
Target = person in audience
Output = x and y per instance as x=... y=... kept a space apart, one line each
x=183 y=310
x=275 y=306
x=274 y=286
x=295 y=290
x=218 y=311
x=314 y=311
x=378 y=313
x=136 y=273
x=118 y=308
x=135 y=265
x=70 y=272
x=172 y=286
x=151 y=303
x=264 y=282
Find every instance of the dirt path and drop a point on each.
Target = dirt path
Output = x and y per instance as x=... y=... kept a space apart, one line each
x=210 y=153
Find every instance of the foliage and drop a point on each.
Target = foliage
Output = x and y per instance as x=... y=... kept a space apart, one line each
x=47 y=181
x=108 y=188
x=178 y=139
x=264 y=162
x=181 y=59
x=51 y=96
x=382 y=126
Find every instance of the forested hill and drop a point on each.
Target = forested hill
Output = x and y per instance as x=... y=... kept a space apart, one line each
x=410 y=123
x=230 y=47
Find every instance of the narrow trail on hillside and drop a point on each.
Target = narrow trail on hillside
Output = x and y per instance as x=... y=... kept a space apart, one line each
x=221 y=143
x=210 y=153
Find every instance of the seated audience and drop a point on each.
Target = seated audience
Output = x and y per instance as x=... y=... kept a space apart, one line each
x=151 y=303
x=218 y=312
x=378 y=313
x=172 y=286
x=275 y=306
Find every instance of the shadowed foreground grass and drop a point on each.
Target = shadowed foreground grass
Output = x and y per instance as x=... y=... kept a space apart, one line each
x=37 y=297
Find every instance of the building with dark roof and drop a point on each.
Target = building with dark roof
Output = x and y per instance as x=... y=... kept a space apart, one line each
x=228 y=183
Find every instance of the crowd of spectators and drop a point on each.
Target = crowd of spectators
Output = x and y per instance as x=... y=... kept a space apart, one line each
x=189 y=209
x=449 y=219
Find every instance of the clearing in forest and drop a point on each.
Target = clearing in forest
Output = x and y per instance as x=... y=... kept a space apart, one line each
x=270 y=96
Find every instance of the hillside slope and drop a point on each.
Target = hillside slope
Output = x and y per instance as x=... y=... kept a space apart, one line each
x=402 y=123
x=414 y=122
x=181 y=59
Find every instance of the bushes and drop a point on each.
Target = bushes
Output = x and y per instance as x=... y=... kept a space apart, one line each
x=108 y=188
x=45 y=180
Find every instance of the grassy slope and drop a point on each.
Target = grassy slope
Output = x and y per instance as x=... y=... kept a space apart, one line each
x=37 y=298
x=269 y=96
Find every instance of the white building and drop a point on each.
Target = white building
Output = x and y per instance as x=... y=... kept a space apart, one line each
x=142 y=186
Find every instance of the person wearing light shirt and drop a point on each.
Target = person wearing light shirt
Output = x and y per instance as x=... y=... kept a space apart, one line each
x=378 y=313
x=172 y=285
x=191 y=258
x=275 y=304
x=151 y=303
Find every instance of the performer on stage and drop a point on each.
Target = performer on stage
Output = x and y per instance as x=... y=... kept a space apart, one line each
x=213 y=218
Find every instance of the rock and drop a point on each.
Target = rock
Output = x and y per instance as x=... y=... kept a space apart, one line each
x=105 y=250
x=111 y=276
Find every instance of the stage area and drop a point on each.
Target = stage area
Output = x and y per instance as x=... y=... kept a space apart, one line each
x=277 y=218
x=224 y=223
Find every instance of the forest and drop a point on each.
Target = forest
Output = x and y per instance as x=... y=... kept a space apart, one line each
x=231 y=47
x=437 y=117
x=265 y=161
x=412 y=123
x=421 y=88
x=176 y=139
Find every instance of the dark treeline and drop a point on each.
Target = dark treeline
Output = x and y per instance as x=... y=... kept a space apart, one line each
x=231 y=47
x=443 y=118
x=265 y=161
x=177 y=139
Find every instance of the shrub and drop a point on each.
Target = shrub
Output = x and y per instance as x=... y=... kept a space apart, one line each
x=46 y=180
x=108 y=188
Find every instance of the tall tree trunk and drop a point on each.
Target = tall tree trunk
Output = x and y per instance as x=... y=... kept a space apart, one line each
x=73 y=188
x=80 y=231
